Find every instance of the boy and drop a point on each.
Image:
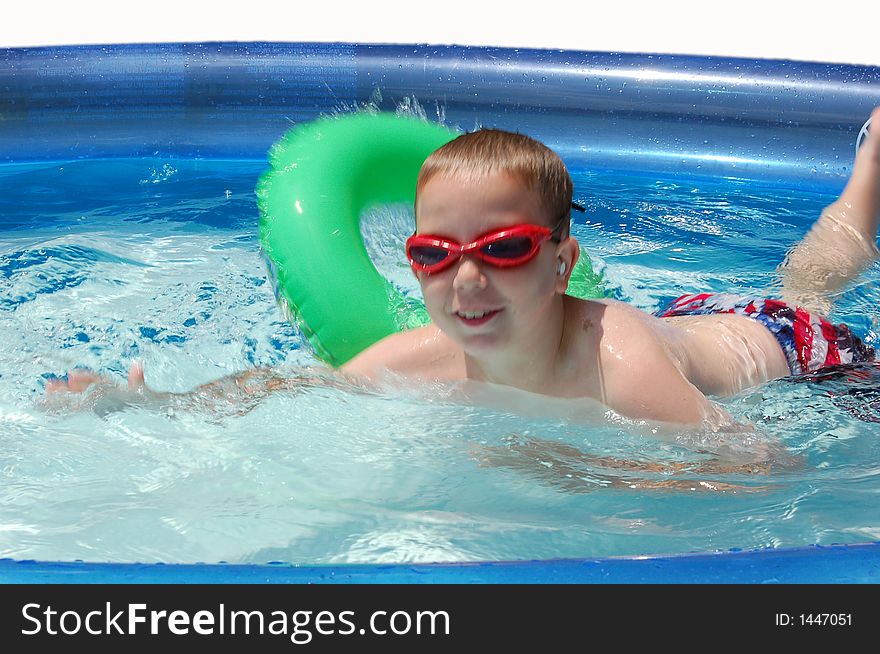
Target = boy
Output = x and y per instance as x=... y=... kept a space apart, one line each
x=514 y=326
x=493 y=256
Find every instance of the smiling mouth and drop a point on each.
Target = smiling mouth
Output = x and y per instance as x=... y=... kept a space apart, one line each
x=475 y=318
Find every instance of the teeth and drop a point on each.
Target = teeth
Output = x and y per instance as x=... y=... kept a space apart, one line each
x=471 y=315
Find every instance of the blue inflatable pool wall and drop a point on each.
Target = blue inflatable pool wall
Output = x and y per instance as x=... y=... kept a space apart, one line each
x=780 y=122
x=775 y=120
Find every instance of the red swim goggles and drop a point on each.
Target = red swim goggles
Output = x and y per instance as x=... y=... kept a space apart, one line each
x=503 y=248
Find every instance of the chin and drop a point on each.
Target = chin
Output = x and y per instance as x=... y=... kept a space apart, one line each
x=479 y=344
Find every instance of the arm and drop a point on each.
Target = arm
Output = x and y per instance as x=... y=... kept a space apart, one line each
x=240 y=392
x=243 y=391
x=640 y=380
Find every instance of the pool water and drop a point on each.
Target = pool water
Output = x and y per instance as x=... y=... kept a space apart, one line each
x=109 y=261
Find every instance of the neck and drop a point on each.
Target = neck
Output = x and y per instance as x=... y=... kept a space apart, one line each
x=531 y=360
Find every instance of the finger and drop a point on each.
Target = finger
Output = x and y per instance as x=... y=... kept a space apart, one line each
x=136 y=377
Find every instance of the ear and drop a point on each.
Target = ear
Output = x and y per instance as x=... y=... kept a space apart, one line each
x=567 y=252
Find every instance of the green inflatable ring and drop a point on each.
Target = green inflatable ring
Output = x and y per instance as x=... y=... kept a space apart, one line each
x=323 y=175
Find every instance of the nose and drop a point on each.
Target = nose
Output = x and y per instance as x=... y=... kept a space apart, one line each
x=469 y=274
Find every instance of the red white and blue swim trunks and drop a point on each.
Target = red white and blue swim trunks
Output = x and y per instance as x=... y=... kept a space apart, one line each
x=810 y=342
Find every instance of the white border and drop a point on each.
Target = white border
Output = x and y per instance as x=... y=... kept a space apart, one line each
x=837 y=32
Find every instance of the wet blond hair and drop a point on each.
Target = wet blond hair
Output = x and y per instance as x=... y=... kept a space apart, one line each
x=477 y=154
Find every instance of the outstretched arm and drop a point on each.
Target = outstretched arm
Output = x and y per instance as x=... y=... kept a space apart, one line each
x=240 y=392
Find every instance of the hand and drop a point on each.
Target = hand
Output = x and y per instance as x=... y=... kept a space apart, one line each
x=84 y=390
x=78 y=381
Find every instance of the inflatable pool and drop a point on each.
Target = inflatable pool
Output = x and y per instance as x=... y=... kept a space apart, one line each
x=775 y=123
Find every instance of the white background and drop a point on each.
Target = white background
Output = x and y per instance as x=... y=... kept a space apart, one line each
x=843 y=31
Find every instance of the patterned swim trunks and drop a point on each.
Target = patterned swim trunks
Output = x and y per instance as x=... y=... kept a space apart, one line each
x=810 y=342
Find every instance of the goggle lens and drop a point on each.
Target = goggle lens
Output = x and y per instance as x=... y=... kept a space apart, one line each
x=428 y=255
x=513 y=247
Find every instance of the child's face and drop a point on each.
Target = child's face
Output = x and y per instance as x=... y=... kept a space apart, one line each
x=479 y=306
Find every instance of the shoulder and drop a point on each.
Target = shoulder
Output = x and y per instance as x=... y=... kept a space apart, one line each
x=608 y=332
x=616 y=323
x=422 y=352
x=623 y=312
